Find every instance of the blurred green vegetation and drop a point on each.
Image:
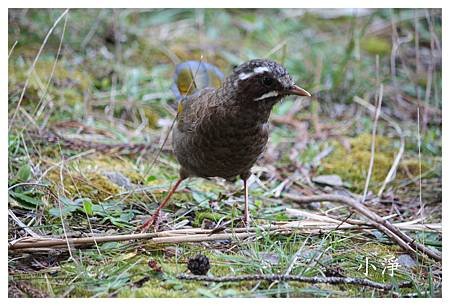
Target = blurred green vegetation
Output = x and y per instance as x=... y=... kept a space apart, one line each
x=105 y=75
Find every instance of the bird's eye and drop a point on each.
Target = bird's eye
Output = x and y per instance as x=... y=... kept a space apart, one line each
x=267 y=81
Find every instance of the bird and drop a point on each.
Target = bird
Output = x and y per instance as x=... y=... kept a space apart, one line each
x=222 y=124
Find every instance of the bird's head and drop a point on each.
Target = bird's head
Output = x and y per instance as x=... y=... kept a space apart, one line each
x=262 y=81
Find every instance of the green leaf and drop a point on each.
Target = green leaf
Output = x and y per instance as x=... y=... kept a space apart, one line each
x=87 y=205
x=126 y=217
x=67 y=207
x=110 y=246
x=150 y=178
x=67 y=201
x=199 y=197
x=24 y=173
x=25 y=200
x=206 y=292
x=65 y=210
x=117 y=222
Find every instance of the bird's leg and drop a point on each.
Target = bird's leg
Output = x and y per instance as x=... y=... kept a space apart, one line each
x=154 y=218
x=246 y=214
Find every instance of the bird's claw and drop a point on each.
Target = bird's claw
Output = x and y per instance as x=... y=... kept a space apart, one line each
x=152 y=222
x=246 y=221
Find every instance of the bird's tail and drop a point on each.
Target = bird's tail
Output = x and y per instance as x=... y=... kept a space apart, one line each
x=192 y=76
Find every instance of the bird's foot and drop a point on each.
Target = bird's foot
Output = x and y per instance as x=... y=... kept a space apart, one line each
x=151 y=222
x=246 y=221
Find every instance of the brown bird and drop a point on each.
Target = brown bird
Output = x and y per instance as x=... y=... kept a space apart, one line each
x=221 y=132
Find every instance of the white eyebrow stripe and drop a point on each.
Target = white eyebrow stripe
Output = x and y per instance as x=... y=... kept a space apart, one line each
x=243 y=76
x=257 y=70
x=270 y=94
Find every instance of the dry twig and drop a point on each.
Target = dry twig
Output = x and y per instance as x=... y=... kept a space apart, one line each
x=31 y=244
x=372 y=146
x=22 y=225
x=396 y=235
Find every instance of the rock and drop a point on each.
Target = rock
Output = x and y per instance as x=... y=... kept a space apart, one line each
x=406 y=261
x=329 y=180
x=270 y=258
x=119 y=179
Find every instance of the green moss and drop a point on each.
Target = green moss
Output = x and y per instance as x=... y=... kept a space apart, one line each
x=202 y=215
x=157 y=288
x=90 y=185
x=102 y=163
x=352 y=164
x=86 y=177
x=67 y=86
x=375 y=45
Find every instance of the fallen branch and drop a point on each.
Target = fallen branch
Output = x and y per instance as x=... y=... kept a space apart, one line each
x=296 y=278
x=171 y=236
x=396 y=235
x=30 y=244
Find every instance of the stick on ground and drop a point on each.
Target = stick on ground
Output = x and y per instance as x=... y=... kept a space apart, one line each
x=396 y=235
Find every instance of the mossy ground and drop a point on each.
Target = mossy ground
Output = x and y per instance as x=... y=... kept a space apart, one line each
x=111 y=84
x=351 y=163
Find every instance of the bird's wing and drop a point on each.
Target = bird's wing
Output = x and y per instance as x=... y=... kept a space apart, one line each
x=192 y=109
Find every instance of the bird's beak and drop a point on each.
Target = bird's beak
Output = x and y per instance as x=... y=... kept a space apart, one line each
x=298 y=91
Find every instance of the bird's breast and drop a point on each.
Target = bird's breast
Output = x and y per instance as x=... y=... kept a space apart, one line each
x=221 y=145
